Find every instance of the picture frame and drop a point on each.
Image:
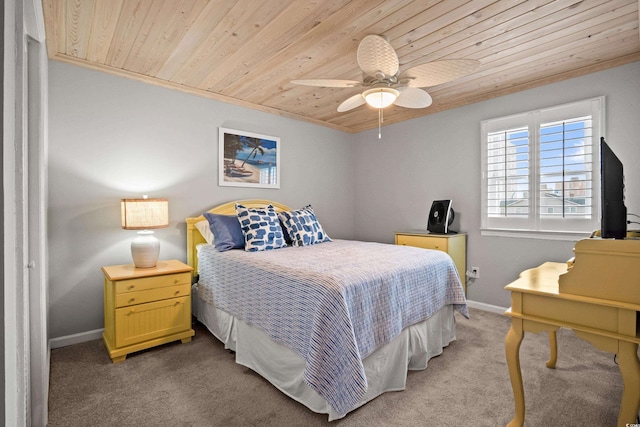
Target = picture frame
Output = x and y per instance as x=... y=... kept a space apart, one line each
x=247 y=159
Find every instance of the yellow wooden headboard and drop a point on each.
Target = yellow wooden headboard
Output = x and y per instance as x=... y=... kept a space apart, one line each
x=194 y=237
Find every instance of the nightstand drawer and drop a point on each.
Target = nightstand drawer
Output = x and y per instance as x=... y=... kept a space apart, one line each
x=144 y=283
x=156 y=294
x=453 y=244
x=152 y=320
x=423 y=242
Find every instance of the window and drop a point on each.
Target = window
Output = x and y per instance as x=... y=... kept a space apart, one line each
x=540 y=171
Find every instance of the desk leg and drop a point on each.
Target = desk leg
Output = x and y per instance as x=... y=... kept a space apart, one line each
x=512 y=347
x=553 y=350
x=630 y=370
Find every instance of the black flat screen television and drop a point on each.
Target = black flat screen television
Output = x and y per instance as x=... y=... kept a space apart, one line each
x=614 y=213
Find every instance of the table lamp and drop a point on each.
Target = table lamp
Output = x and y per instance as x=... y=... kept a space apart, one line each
x=143 y=215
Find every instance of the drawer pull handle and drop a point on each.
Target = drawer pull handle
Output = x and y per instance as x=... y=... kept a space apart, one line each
x=175 y=281
x=177 y=292
x=132 y=286
x=132 y=300
x=132 y=311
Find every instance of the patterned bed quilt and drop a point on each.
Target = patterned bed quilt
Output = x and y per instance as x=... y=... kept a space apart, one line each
x=333 y=303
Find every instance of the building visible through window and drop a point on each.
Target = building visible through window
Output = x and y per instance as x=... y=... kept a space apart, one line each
x=540 y=170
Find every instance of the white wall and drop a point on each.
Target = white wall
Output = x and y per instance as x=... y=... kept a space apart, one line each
x=438 y=157
x=111 y=138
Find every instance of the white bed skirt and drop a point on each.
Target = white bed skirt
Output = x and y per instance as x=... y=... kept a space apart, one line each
x=386 y=368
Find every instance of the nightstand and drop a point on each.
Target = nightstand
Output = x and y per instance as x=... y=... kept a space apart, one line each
x=145 y=307
x=453 y=244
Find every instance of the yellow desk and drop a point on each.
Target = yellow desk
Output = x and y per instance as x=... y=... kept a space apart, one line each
x=576 y=295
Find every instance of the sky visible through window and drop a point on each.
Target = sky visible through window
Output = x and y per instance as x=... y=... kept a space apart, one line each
x=564 y=167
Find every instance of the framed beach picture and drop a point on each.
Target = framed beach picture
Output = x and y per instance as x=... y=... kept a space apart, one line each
x=248 y=159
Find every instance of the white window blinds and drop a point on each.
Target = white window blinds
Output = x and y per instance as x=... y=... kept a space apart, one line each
x=540 y=171
x=508 y=173
x=566 y=163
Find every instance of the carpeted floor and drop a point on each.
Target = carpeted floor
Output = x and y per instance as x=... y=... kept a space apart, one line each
x=199 y=384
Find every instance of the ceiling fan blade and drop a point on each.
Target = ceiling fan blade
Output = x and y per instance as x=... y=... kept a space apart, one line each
x=351 y=103
x=375 y=54
x=327 y=82
x=413 y=97
x=438 y=72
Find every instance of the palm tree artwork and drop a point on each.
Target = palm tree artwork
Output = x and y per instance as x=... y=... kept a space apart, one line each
x=233 y=144
x=256 y=146
x=250 y=158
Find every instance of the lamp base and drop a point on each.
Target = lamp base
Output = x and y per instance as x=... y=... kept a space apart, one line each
x=145 y=249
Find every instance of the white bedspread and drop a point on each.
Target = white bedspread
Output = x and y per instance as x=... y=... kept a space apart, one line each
x=333 y=303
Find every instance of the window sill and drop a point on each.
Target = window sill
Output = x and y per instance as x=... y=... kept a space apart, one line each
x=569 y=236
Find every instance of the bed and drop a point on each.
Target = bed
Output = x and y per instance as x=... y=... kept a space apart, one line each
x=332 y=325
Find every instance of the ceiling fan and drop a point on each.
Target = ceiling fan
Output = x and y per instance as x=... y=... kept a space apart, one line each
x=386 y=84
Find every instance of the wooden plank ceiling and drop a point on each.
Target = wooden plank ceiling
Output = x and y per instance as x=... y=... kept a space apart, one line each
x=246 y=52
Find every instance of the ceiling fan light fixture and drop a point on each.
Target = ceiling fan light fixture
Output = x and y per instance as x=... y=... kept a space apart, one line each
x=380 y=97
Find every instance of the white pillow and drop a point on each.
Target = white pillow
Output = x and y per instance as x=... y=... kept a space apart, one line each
x=203 y=228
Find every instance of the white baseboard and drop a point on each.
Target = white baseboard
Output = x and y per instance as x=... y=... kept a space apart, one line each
x=486 y=307
x=75 y=338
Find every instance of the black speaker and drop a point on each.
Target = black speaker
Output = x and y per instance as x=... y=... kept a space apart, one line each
x=440 y=217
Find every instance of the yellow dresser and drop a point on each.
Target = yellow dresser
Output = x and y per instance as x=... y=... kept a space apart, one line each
x=145 y=307
x=453 y=244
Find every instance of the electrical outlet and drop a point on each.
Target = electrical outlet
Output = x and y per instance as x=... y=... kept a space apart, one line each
x=475 y=272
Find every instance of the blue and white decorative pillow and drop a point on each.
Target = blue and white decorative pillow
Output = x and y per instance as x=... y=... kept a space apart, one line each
x=303 y=227
x=261 y=228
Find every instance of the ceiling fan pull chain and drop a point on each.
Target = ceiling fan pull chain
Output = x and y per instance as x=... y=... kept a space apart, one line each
x=379 y=123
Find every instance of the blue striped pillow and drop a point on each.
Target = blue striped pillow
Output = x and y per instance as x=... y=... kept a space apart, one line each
x=261 y=228
x=303 y=227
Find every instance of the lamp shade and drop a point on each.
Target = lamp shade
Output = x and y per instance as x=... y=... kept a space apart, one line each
x=144 y=214
x=380 y=97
